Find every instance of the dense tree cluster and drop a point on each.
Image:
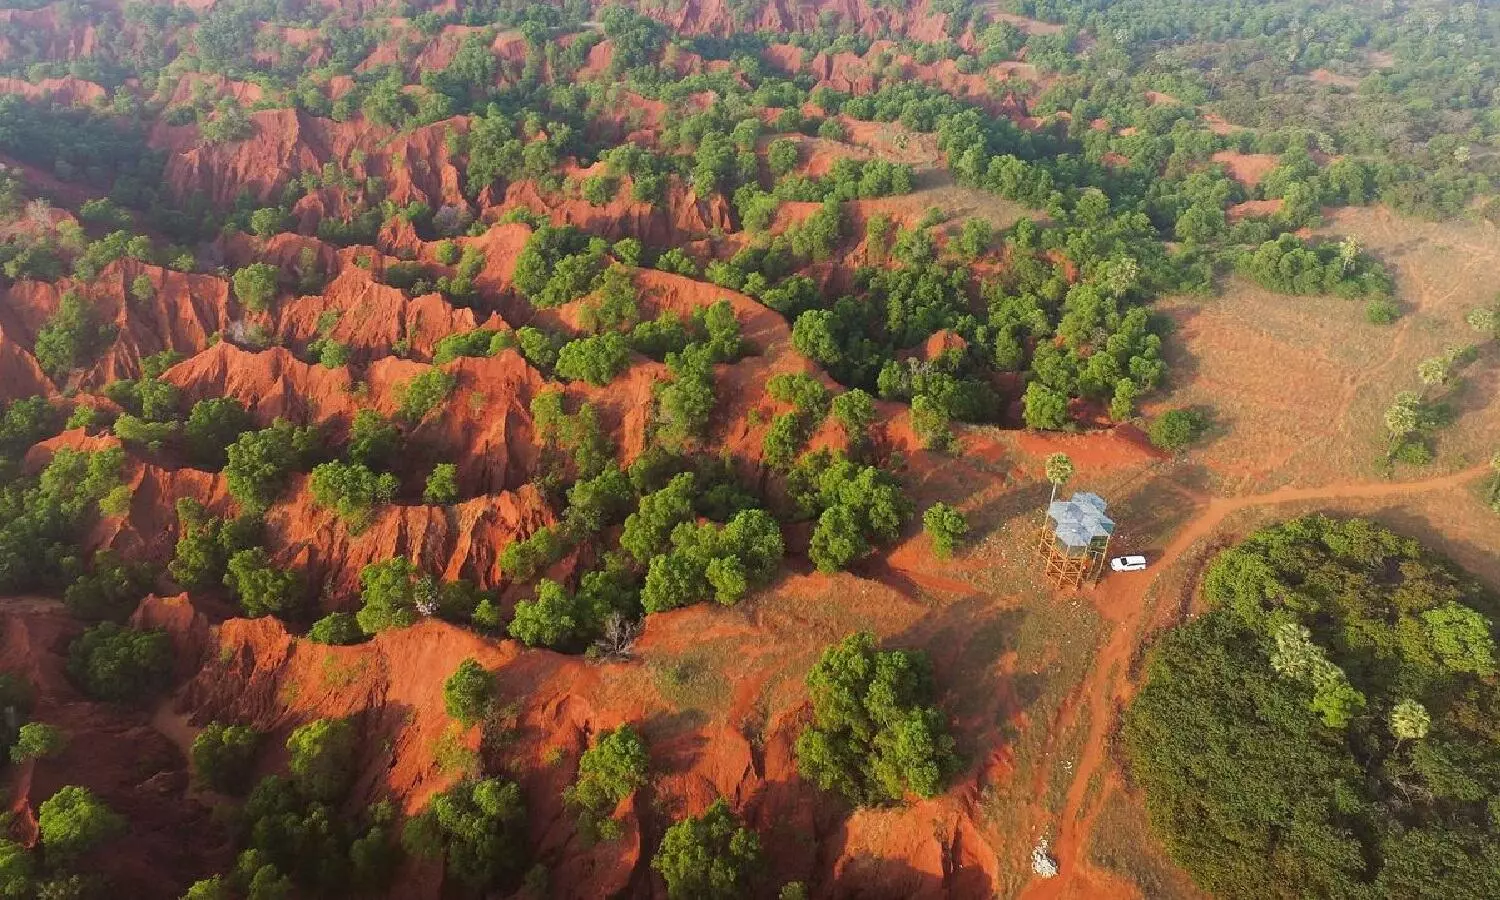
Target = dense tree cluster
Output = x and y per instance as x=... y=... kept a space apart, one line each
x=1322 y=728
x=875 y=736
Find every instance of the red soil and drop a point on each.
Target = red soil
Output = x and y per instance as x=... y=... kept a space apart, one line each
x=1247 y=168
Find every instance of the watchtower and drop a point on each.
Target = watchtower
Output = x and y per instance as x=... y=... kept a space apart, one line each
x=1074 y=541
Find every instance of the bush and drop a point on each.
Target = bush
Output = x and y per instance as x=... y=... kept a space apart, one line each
x=222 y=756
x=261 y=462
x=708 y=857
x=478 y=828
x=468 y=691
x=442 y=485
x=73 y=821
x=1176 y=428
x=322 y=758
x=111 y=662
x=255 y=286
x=608 y=772
x=352 y=491
x=37 y=740
x=72 y=338
x=946 y=526
x=596 y=359
x=424 y=393
x=261 y=588
x=874 y=736
x=337 y=629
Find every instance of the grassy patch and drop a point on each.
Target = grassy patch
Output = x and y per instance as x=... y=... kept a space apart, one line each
x=692 y=681
x=339 y=674
x=1121 y=843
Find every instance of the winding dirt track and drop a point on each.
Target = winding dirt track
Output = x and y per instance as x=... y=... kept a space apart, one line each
x=1109 y=685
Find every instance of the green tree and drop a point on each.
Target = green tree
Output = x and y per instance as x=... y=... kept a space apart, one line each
x=1409 y=721
x=478 y=828
x=946 y=526
x=708 y=857
x=1059 y=469
x=373 y=442
x=212 y=425
x=255 y=286
x=337 y=629
x=322 y=758
x=596 y=359
x=261 y=588
x=17 y=871
x=419 y=396
x=37 y=740
x=782 y=156
x=837 y=540
x=875 y=737
x=260 y=463
x=1045 y=408
x=551 y=619
x=1176 y=428
x=389 y=594
x=72 y=337
x=74 y=820
x=608 y=772
x=1461 y=637
x=442 y=485
x=468 y=691
x=111 y=662
x=222 y=756
x=352 y=491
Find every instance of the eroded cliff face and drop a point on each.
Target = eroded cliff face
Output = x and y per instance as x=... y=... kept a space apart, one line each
x=258 y=672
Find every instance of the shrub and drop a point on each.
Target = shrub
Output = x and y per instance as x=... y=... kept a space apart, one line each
x=337 y=629
x=1176 y=428
x=596 y=359
x=874 y=736
x=477 y=828
x=322 y=758
x=260 y=463
x=708 y=857
x=37 y=740
x=111 y=662
x=946 y=526
x=72 y=338
x=442 y=485
x=468 y=691
x=608 y=772
x=255 y=286
x=352 y=491
x=261 y=588
x=74 y=820
x=424 y=393
x=222 y=755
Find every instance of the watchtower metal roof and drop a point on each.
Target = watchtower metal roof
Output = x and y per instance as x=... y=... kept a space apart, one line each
x=1081 y=521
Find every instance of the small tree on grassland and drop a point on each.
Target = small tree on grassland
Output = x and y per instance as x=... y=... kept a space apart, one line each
x=945 y=525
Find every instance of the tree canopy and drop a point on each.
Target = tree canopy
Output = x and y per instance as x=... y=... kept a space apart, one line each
x=1324 y=729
